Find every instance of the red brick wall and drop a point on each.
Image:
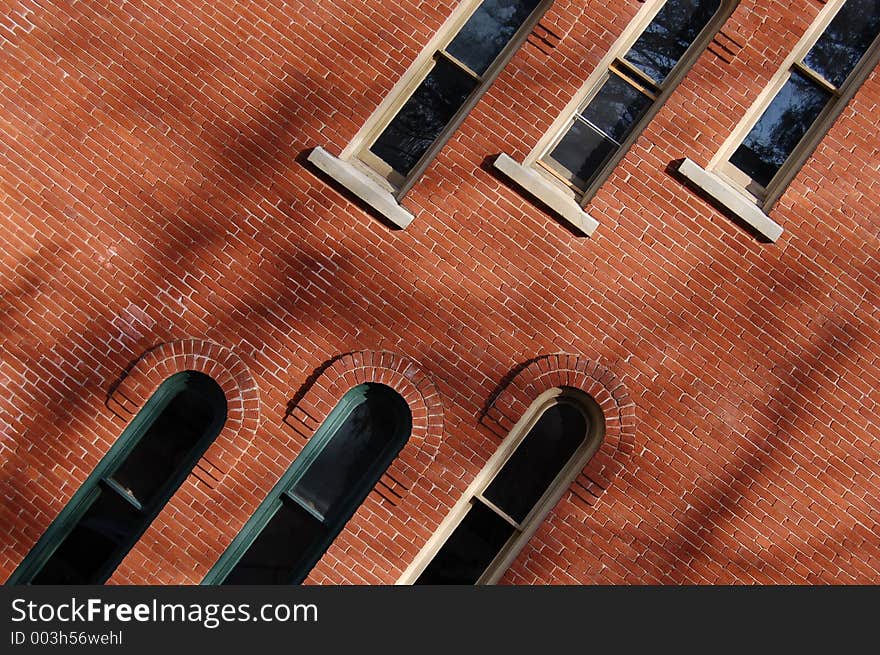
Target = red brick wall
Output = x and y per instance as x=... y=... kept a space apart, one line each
x=154 y=192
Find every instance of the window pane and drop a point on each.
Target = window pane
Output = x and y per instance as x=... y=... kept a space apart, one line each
x=82 y=556
x=780 y=129
x=669 y=35
x=276 y=554
x=353 y=449
x=424 y=116
x=580 y=154
x=470 y=548
x=488 y=30
x=845 y=40
x=616 y=108
x=168 y=443
x=538 y=459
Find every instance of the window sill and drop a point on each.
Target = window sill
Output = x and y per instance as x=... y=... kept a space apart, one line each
x=729 y=197
x=556 y=200
x=360 y=184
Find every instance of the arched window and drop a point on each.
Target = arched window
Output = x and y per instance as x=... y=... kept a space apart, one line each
x=517 y=488
x=320 y=491
x=130 y=485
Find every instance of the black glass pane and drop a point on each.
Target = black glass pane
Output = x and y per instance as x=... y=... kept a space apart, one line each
x=616 y=108
x=488 y=30
x=780 y=129
x=470 y=548
x=277 y=555
x=538 y=459
x=580 y=154
x=168 y=443
x=424 y=116
x=84 y=556
x=355 y=447
x=669 y=35
x=845 y=40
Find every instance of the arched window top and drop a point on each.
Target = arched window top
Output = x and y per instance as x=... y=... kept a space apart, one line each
x=320 y=491
x=538 y=459
x=370 y=423
x=130 y=485
x=515 y=491
x=187 y=409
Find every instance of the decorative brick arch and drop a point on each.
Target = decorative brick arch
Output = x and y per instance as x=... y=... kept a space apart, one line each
x=536 y=376
x=130 y=393
x=309 y=409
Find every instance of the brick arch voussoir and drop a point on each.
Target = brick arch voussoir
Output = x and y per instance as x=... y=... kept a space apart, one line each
x=222 y=364
x=396 y=371
x=602 y=384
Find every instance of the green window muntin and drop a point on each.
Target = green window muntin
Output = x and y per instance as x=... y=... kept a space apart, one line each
x=320 y=491
x=130 y=485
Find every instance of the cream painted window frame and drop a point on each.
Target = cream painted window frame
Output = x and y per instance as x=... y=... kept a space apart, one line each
x=720 y=164
x=594 y=83
x=358 y=150
x=593 y=439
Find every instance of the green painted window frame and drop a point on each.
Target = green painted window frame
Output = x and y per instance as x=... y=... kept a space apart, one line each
x=336 y=520
x=90 y=490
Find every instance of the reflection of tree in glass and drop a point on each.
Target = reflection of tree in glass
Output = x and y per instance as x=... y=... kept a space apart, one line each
x=669 y=35
x=424 y=116
x=446 y=88
x=616 y=108
x=488 y=30
x=845 y=40
x=780 y=129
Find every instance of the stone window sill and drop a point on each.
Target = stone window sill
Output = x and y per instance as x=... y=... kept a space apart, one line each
x=562 y=205
x=361 y=185
x=730 y=198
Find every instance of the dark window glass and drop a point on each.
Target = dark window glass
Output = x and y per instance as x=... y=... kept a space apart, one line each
x=845 y=41
x=166 y=445
x=434 y=104
x=470 y=549
x=538 y=459
x=347 y=457
x=616 y=108
x=780 y=128
x=172 y=431
x=660 y=47
x=424 y=116
x=581 y=153
x=95 y=541
x=278 y=550
x=611 y=115
x=502 y=509
x=487 y=32
x=322 y=489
